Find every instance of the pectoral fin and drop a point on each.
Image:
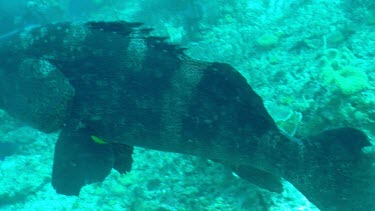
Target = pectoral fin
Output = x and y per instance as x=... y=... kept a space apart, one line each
x=260 y=178
x=123 y=157
x=79 y=160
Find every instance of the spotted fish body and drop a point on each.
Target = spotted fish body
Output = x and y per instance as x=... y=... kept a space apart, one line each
x=116 y=83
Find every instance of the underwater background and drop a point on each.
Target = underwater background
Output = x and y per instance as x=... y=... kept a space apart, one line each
x=312 y=62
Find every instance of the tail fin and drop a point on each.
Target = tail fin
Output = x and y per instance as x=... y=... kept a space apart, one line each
x=334 y=173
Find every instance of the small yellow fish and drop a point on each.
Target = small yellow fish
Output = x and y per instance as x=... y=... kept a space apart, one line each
x=98 y=140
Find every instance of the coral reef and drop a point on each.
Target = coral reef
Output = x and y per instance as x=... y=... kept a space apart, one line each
x=337 y=69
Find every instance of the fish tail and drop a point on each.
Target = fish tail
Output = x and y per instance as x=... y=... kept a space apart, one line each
x=335 y=174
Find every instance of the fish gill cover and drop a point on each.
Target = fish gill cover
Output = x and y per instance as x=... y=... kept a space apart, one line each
x=293 y=53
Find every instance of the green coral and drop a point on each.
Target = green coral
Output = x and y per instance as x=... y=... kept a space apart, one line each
x=290 y=123
x=267 y=41
x=336 y=69
x=348 y=79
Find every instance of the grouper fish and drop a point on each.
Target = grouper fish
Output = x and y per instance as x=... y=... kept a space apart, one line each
x=110 y=86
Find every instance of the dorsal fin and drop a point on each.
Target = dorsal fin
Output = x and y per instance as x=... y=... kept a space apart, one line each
x=127 y=28
x=120 y=27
